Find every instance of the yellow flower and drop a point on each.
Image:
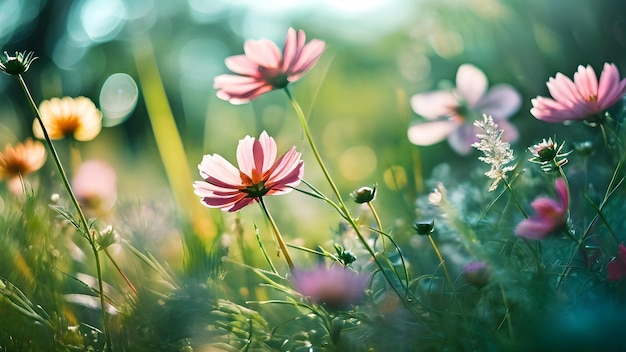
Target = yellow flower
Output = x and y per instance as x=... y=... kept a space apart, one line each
x=69 y=117
x=20 y=160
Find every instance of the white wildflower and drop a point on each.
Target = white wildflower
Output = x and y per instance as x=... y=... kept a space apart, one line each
x=497 y=153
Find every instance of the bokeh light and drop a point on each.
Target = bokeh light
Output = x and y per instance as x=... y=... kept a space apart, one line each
x=118 y=98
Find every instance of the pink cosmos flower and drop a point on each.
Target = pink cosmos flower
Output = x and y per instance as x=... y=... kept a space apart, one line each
x=582 y=98
x=453 y=112
x=617 y=265
x=259 y=174
x=95 y=186
x=264 y=68
x=335 y=287
x=550 y=214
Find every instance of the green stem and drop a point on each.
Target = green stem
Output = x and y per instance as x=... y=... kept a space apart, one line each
x=344 y=211
x=83 y=220
x=441 y=261
x=517 y=203
x=279 y=238
x=378 y=223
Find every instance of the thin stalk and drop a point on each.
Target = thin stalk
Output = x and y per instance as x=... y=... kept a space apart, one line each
x=83 y=220
x=342 y=208
x=378 y=223
x=279 y=238
x=441 y=261
x=517 y=203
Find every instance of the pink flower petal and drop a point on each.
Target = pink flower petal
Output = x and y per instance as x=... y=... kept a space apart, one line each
x=462 y=138
x=217 y=167
x=586 y=82
x=500 y=102
x=610 y=88
x=263 y=52
x=293 y=47
x=534 y=228
x=269 y=151
x=428 y=133
x=241 y=64
x=471 y=83
x=563 y=90
x=436 y=104
x=308 y=58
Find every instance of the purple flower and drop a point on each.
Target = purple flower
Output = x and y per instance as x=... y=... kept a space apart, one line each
x=581 y=98
x=476 y=273
x=617 y=265
x=453 y=112
x=335 y=287
x=550 y=214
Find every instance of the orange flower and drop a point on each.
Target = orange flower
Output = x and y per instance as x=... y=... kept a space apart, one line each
x=20 y=160
x=69 y=117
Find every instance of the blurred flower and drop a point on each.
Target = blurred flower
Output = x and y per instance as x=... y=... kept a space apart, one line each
x=364 y=194
x=454 y=111
x=548 y=154
x=20 y=160
x=550 y=214
x=18 y=64
x=336 y=287
x=263 y=67
x=259 y=174
x=617 y=265
x=497 y=153
x=95 y=186
x=582 y=98
x=69 y=117
x=476 y=273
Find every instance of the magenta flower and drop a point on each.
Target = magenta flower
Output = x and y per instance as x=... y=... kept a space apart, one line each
x=453 y=112
x=582 y=98
x=335 y=287
x=617 y=265
x=259 y=174
x=550 y=214
x=264 y=68
x=476 y=273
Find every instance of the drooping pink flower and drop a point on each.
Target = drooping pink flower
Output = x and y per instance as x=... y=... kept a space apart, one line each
x=550 y=214
x=334 y=287
x=259 y=174
x=264 y=68
x=617 y=265
x=453 y=112
x=582 y=98
x=95 y=186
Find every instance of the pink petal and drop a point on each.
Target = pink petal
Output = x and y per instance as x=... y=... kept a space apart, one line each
x=534 y=228
x=611 y=88
x=586 y=82
x=241 y=64
x=462 y=138
x=287 y=171
x=471 y=83
x=308 y=58
x=428 y=133
x=436 y=104
x=245 y=155
x=269 y=151
x=500 y=102
x=293 y=47
x=546 y=207
x=263 y=52
x=564 y=90
x=215 y=166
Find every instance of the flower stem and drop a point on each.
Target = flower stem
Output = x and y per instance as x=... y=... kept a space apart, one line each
x=517 y=203
x=343 y=209
x=279 y=238
x=441 y=261
x=91 y=237
x=378 y=223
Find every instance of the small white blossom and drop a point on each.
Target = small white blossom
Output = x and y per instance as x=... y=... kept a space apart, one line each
x=497 y=153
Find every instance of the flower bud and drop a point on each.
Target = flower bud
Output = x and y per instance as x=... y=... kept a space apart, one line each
x=424 y=228
x=18 y=64
x=364 y=194
x=476 y=273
